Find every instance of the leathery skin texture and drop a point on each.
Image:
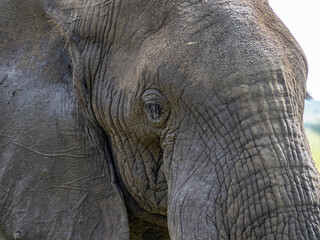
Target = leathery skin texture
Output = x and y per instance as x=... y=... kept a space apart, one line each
x=153 y=119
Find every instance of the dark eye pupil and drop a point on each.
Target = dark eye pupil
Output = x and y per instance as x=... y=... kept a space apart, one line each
x=153 y=110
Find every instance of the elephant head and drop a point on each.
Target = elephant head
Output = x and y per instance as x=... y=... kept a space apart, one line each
x=127 y=118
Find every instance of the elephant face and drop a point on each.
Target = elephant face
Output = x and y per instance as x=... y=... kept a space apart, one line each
x=194 y=111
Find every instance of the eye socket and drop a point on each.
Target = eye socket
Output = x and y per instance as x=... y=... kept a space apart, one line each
x=155 y=106
x=153 y=110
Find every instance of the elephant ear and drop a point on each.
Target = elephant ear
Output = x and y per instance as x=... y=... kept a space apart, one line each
x=56 y=175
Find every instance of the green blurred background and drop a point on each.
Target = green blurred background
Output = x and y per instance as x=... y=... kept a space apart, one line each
x=312 y=126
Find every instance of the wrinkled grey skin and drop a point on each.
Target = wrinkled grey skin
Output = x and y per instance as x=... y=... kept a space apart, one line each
x=134 y=118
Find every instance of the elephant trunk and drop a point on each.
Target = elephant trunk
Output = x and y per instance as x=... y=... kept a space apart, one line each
x=256 y=180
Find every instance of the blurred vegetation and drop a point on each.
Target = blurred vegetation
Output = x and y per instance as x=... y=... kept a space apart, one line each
x=314 y=141
x=312 y=126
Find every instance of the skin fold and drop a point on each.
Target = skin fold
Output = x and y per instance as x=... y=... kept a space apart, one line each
x=136 y=119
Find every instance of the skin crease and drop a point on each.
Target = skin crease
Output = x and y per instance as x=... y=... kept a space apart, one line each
x=153 y=120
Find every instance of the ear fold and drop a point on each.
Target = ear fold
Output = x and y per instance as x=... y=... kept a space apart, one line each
x=115 y=224
x=114 y=219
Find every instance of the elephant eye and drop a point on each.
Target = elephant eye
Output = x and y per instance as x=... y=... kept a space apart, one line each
x=155 y=106
x=153 y=110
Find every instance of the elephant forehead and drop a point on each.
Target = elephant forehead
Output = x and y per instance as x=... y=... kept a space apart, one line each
x=212 y=46
x=217 y=44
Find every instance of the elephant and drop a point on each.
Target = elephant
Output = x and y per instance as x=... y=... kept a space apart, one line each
x=153 y=119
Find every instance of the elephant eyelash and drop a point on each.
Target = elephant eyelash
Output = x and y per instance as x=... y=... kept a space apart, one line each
x=153 y=110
